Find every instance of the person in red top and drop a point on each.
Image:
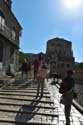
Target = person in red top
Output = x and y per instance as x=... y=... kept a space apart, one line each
x=36 y=67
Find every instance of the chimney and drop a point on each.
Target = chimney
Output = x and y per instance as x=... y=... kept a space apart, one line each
x=9 y=3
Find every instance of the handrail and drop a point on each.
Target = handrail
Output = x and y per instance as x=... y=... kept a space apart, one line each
x=78 y=107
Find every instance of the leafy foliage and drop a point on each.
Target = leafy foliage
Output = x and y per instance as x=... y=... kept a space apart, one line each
x=22 y=56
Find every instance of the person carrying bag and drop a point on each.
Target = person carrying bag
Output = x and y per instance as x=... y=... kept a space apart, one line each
x=67 y=91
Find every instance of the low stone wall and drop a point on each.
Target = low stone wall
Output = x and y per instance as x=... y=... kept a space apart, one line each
x=79 y=90
x=79 y=81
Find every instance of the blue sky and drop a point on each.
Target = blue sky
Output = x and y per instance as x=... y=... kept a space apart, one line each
x=45 y=19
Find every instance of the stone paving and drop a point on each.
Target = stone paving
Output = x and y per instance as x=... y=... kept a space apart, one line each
x=76 y=117
x=19 y=105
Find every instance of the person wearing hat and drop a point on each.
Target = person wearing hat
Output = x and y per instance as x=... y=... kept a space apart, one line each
x=67 y=94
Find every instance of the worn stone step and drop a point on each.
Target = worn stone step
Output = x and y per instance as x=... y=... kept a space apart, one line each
x=11 y=85
x=24 y=91
x=23 y=94
x=26 y=117
x=19 y=102
x=25 y=98
x=18 y=85
x=27 y=105
x=41 y=100
x=9 y=122
x=28 y=111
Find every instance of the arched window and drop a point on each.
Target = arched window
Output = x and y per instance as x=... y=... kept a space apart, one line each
x=2 y=20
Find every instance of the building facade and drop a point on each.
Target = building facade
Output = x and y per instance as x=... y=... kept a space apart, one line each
x=10 y=32
x=59 y=54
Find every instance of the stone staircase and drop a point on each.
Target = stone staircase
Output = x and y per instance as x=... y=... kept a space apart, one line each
x=19 y=104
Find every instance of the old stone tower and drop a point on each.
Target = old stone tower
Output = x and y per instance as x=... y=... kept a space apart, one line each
x=60 y=52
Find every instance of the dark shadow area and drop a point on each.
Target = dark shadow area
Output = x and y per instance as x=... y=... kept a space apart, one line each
x=1 y=83
x=55 y=78
x=27 y=112
x=25 y=84
x=17 y=84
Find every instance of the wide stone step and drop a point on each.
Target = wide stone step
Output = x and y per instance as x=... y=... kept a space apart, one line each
x=29 y=111
x=46 y=106
x=23 y=116
x=28 y=99
x=23 y=94
x=21 y=90
x=19 y=105
x=9 y=122
x=18 y=102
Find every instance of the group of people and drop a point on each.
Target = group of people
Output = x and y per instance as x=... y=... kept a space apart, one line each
x=40 y=72
x=26 y=67
x=66 y=87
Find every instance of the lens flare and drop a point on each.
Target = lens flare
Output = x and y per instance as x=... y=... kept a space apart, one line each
x=73 y=4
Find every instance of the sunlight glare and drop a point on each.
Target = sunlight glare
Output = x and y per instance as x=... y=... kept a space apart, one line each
x=72 y=4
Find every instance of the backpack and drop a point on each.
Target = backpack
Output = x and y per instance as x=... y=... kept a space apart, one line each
x=63 y=87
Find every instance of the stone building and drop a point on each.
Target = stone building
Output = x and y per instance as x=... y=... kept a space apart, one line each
x=60 y=55
x=10 y=32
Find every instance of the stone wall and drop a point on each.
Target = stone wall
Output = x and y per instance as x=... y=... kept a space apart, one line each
x=7 y=34
x=10 y=21
x=79 y=90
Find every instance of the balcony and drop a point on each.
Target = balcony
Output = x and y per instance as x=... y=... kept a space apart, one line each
x=6 y=32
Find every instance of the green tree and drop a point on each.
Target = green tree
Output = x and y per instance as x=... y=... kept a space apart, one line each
x=22 y=56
